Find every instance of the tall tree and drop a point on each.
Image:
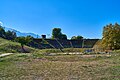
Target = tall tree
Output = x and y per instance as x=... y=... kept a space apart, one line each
x=111 y=36
x=57 y=34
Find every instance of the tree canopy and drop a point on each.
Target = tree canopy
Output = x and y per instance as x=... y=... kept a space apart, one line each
x=111 y=36
x=10 y=35
x=77 y=38
x=24 y=41
x=2 y=32
x=57 y=34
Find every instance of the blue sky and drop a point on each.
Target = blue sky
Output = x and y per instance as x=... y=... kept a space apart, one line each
x=74 y=17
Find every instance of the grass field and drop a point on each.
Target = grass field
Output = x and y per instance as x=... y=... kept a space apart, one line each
x=60 y=67
x=7 y=46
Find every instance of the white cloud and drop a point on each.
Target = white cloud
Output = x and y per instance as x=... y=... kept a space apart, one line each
x=1 y=24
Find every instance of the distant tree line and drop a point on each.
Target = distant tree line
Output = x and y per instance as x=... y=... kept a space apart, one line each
x=57 y=34
x=77 y=38
x=10 y=35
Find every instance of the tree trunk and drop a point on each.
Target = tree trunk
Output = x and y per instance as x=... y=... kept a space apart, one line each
x=23 y=48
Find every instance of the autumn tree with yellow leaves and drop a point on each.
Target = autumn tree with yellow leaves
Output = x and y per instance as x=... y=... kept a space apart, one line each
x=111 y=37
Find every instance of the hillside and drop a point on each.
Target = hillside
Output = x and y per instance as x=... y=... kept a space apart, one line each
x=7 y=46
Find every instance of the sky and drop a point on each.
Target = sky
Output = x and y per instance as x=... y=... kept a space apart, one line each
x=75 y=17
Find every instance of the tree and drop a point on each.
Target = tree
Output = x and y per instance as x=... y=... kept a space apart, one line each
x=57 y=34
x=2 y=32
x=29 y=40
x=77 y=38
x=73 y=38
x=24 y=41
x=63 y=37
x=111 y=36
x=10 y=35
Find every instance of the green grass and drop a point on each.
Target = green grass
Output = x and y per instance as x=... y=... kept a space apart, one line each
x=7 y=46
x=60 y=67
x=39 y=66
x=65 y=50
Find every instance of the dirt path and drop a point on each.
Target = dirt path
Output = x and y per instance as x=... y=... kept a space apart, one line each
x=97 y=55
x=6 y=54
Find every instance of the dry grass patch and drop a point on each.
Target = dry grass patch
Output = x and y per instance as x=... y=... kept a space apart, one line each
x=59 y=67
